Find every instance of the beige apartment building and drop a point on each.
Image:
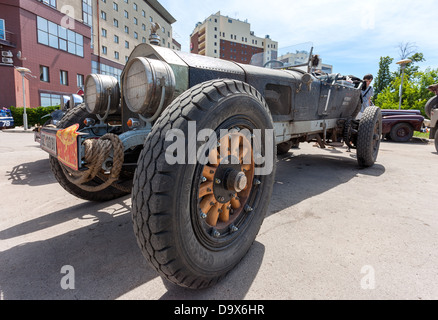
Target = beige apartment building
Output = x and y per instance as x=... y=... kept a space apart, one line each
x=230 y=39
x=117 y=27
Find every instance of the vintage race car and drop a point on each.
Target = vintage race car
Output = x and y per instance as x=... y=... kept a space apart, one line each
x=399 y=125
x=194 y=140
x=6 y=119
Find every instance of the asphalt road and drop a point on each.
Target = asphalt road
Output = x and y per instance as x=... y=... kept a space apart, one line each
x=333 y=231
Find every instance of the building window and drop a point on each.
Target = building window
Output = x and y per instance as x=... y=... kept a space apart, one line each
x=151 y=20
x=63 y=77
x=126 y=14
x=143 y=13
x=51 y=3
x=104 y=32
x=116 y=55
x=2 y=30
x=127 y=29
x=143 y=40
x=80 y=80
x=116 y=23
x=116 y=39
x=87 y=12
x=44 y=74
x=126 y=44
x=135 y=7
x=104 y=50
x=135 y=21
x=103 y=15
x=115 y=6
x=143 y=26
x=50 y=100
x=55 y=36
x=135 y=35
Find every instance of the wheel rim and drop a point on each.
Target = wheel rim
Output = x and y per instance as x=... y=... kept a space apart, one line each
x=222 y=205
x=402 y=132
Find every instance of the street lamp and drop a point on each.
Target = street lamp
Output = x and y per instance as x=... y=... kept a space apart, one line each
x=402 y=64
x=23 y=72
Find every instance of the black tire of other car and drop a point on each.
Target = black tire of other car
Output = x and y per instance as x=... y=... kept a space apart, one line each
x=430 y=105
x=436 y=141
x=369 y=134
x=284 y=147
x=170 y=227
x=73 y=116
x=401 y=132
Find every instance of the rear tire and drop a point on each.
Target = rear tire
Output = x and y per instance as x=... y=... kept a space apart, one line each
x=430 y=105
x=402 y=132
x=369 y=134
x=436 y=141
x=185 y=245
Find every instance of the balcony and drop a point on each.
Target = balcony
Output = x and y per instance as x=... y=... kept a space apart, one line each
x=9 y=39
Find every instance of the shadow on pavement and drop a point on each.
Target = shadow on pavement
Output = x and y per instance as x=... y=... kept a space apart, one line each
x=302 y=176
x=35 y=173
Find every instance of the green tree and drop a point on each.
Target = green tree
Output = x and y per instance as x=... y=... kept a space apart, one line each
x=384 y=76
x=415 y=93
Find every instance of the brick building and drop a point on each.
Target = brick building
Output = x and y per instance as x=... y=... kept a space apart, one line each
x=62 y=41
x=230 y=39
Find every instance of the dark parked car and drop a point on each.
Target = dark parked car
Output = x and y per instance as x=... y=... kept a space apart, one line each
x=399 y=125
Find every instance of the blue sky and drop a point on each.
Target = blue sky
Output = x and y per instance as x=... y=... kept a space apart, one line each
x=349 y=34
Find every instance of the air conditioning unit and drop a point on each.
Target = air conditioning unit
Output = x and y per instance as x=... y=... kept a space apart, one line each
x=7 y=54
x=7 y=60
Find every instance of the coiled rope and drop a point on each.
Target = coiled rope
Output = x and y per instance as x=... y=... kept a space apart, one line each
x=96 y=152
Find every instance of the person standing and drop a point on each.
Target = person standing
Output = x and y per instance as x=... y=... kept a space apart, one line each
x=367 y=93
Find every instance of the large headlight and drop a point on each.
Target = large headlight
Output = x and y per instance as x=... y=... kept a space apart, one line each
x=99 y=89
x=147 y=84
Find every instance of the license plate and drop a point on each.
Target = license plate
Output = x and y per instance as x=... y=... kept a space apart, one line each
x=67 y=146
x=48 y=142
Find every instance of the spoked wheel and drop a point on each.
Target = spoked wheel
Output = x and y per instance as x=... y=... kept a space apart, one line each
x=225 y=186
x=195 y=221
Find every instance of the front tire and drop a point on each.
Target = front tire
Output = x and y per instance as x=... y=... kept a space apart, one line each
x=78 y=115
x=190 y=225
x=369 y=134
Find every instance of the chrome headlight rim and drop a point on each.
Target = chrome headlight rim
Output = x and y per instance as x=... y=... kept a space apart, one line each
x=102 y=88
x=151 y=77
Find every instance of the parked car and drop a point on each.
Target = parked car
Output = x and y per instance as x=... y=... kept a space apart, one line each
x=199 y=202
x=6 y=119
x=399 y=125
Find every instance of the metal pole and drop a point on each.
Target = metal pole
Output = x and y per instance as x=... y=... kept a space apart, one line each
x=24 y=104
x=401 y=86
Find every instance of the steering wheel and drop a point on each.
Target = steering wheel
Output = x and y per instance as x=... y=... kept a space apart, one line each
x=273 y=61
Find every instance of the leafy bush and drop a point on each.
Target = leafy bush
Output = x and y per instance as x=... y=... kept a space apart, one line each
x=34 y=115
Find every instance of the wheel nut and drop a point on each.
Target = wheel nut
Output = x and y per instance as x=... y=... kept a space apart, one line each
x=248 y=208
x=215 y=233
x=203 y=215
x=233 y=228
x=203 y=179
x=218 y=181
x=257 y=182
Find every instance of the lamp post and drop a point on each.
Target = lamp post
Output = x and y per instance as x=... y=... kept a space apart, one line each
x=23 y=72
x=402 y=64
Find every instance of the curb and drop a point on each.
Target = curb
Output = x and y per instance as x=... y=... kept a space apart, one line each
x=18 y=130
